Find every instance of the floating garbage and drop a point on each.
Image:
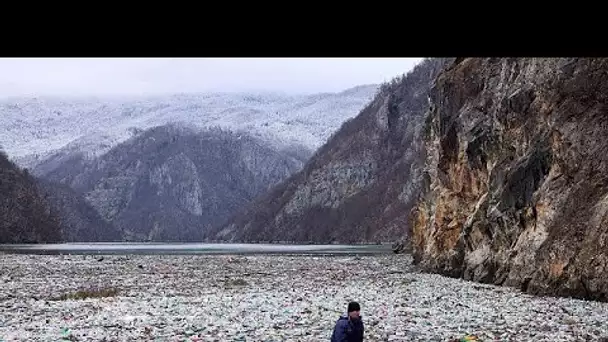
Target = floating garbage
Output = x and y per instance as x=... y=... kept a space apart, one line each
x=275 y=298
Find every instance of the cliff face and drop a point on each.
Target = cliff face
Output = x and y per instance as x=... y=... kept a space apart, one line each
x=360 y=185
x=170 y=183
x=25 y=214
x=516 y=185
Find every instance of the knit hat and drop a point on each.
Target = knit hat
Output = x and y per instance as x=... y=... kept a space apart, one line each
x=353 y=306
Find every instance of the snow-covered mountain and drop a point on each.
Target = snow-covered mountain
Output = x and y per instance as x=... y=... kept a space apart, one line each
x=31 y=129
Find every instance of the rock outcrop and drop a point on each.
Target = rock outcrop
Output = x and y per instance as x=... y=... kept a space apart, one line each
x=360 y=185
x=516 y=185
x=25 y=213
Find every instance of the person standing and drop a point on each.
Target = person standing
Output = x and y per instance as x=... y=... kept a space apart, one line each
x=349 y=327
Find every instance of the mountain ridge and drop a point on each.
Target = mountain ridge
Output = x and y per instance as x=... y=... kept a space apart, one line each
x=31 y=129
x=338 y=195
x=171 y=182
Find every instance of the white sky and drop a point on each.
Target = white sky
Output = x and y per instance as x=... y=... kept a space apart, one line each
x=106 y=76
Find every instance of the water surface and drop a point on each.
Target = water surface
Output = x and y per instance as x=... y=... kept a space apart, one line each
x=190 y=248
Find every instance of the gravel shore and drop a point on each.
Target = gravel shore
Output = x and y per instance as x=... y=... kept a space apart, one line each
x=269 y=298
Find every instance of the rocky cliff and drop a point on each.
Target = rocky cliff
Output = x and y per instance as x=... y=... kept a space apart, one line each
x=170 y=183
x=360 y=185
x=516 y=184
x=25 y=214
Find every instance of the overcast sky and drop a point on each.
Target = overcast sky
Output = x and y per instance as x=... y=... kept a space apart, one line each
x=104 y=76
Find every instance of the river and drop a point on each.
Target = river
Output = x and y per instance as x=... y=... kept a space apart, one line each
x=191 y=248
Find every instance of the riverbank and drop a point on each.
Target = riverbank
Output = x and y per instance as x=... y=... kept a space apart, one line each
x=268 y=298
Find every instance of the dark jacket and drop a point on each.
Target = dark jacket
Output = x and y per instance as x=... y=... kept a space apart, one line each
x=348 y=330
